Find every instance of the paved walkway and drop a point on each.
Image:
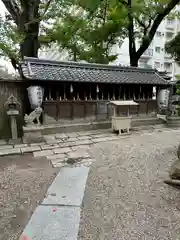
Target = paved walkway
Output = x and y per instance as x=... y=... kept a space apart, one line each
x=62 y=149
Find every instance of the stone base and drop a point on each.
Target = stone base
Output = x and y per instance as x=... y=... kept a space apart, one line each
x=173 y=121
x=36 y=132
x=145 y=121
x=32 y=134
x=17 y=141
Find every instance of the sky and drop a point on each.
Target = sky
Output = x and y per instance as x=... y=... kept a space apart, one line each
x=5 y=63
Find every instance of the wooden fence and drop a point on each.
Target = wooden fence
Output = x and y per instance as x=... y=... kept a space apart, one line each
x=92 y=110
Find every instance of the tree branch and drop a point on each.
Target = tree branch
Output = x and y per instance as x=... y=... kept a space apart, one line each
x=131 y=35
x=147 y=39
x=143 y=25
x=47 y=6
x=13 y=9
x=124 y=2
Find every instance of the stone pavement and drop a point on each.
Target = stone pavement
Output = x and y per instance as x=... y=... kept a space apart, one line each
x=71 y=149
x=57 y=217
x=62 y=149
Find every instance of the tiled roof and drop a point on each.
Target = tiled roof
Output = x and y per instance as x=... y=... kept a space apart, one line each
x=164 y=75
x=38 y=69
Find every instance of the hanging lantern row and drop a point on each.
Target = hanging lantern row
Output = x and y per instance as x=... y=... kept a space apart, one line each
x=100 y=95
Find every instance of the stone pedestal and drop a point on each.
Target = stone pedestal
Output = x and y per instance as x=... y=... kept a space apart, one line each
x=14 y=128
x=32 y=134
x=12 y=111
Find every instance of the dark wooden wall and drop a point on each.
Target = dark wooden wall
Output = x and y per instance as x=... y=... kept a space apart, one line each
x=60 y=111
x=78 y=111
x=8 y=87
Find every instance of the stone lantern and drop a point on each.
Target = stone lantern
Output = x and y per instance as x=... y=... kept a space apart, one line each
x=12 y=106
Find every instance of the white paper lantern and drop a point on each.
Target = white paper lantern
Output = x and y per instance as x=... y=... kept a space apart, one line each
x=154 y=93
x=35 y=95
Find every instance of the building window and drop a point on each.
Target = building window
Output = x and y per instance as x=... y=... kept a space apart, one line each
x=168 y=67
x=158 y=34
x=158 y=49
x=169 y=35
x=157 y=64
x=170 y=21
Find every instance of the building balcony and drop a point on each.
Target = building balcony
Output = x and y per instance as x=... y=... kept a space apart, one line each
x=147 y=54
x=167 y=57
x=169 y=71
x=170 y=25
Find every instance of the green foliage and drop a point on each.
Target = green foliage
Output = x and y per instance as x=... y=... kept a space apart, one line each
x=21 y=17
x=90 y=31
x=173 y=48
x=178 y=89
x=10 y=39
x=86 y=29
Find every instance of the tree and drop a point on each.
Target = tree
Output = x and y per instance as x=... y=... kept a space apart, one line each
x=144 y=17
x=108 y=22
x=25 y=14
x=86 y=28
x=22 y=25
x=89 y=32
x=173 y=48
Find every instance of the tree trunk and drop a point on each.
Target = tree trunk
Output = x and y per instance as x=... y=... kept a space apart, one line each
x=133 y=61
x=29 y=26
x=74 y=56
x=131 y=35
x=30 y=45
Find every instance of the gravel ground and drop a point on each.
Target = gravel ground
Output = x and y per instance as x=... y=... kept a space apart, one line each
x=125 y=197
x=23 y=184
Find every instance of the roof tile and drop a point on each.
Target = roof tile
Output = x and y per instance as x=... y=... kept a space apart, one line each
x=37 y=69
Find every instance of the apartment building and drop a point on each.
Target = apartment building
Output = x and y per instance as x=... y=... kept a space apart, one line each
x=155 y=56
x=53 y=53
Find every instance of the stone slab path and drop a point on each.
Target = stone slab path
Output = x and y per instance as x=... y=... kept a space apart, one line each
x=72 y=149
x=57 y=217
x=67 y=188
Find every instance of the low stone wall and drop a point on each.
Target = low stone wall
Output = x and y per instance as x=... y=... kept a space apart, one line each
x=37 y=132
x=8 y=87
x=173 y=121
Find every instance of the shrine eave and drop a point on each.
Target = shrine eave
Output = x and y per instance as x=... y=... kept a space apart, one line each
x=45 y=70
